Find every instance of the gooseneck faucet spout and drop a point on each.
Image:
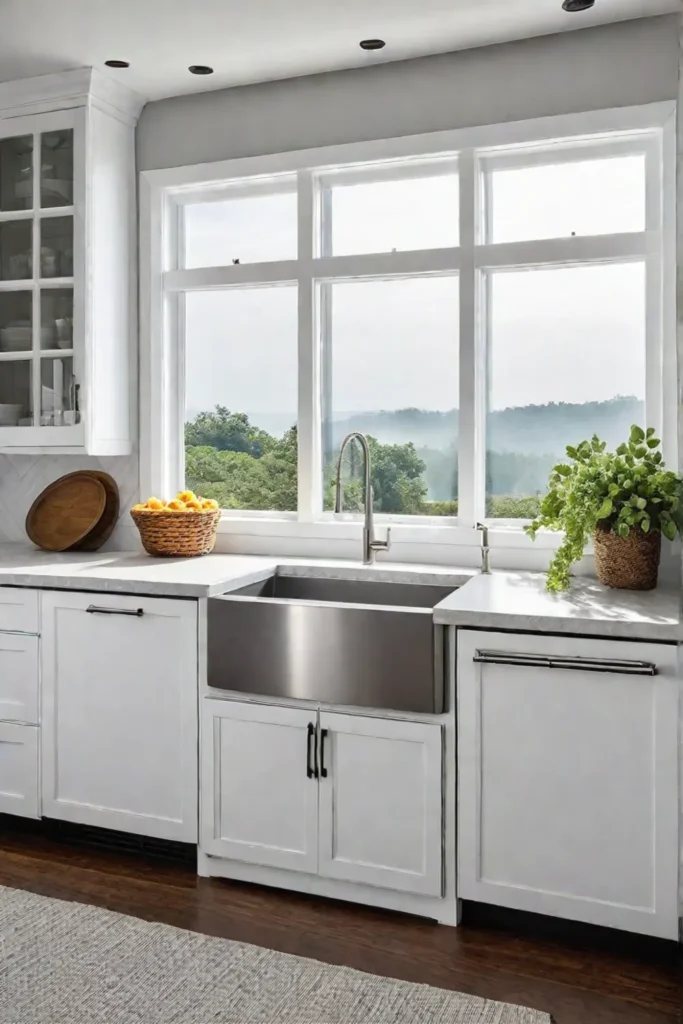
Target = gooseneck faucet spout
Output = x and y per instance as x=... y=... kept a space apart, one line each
x=370 y=545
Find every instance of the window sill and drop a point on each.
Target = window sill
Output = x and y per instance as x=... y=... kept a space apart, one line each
x=451 y=545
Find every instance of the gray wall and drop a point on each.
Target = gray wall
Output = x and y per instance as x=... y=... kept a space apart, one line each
x=618 y=65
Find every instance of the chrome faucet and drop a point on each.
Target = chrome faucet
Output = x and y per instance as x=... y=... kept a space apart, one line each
x=370 y=545
x=485 y=550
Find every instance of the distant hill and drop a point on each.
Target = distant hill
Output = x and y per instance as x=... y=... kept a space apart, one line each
x=529 y=429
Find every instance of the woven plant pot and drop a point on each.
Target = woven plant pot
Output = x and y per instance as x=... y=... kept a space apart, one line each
x=627 y=563
x=168 y=534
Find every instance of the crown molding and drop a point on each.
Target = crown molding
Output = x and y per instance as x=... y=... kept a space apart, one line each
x=79 y=87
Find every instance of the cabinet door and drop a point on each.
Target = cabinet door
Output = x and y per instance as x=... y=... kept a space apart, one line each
x=120 y=712
x=19 y=770
x=567 y=789
x=40 y=227
x=18 y=678
x=380 y=802
x=259 y=791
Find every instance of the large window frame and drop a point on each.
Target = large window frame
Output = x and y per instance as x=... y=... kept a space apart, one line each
x=647 y=130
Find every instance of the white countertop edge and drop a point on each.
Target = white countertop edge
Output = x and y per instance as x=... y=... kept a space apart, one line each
x=501 y=600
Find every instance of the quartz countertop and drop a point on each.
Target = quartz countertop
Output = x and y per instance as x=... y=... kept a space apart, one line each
x=137 y=573
x=501 y=600
x=519 y=601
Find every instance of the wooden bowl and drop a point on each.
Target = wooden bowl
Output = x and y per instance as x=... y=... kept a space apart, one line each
x=66 y=511
x=103 y=529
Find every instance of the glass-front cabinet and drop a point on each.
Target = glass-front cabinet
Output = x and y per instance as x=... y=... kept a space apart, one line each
x=66 y=285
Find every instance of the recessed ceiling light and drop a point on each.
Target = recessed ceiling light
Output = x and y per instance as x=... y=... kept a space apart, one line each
x=117 y=63
x=372 y=44
x=577 y=5
x=200 y=69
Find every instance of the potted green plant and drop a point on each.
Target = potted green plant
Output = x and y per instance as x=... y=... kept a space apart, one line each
x=626 y=499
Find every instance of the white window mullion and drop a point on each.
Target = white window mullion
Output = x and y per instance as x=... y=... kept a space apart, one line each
x=471 y=440
x=309 y=431
x=654 y=294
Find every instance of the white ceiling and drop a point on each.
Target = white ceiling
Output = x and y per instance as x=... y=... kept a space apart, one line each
x=260 y=40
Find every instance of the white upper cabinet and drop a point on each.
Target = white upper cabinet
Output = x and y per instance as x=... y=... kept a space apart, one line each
x=67 y=264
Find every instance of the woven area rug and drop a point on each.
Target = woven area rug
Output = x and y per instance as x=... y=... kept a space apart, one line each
x=69 y=962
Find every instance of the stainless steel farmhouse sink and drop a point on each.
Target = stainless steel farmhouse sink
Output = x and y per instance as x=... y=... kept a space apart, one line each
x=355 y=642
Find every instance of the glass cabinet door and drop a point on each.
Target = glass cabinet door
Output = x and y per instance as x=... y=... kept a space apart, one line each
x=37 y=383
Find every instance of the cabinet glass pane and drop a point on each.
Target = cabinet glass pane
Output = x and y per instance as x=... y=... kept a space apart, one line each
x=57 y=168
x=56 y=318
x=394 y=216
x=16 y=397
x=256 y=229
x=56 y=247
x=57 y=393
x=15 y=321
x=16 y=173
x=16 y=262
x=566 y=361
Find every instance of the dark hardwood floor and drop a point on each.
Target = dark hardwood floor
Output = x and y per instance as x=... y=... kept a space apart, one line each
x=580 y=975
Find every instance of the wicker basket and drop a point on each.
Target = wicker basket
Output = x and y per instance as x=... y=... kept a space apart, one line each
x=181 y=534
x=628 y=563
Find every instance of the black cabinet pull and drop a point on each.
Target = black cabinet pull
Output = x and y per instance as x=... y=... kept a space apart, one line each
x=311 y=768
x=323 y=769
x=93 y=609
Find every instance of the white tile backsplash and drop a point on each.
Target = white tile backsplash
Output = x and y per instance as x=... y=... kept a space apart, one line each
x=23 y=477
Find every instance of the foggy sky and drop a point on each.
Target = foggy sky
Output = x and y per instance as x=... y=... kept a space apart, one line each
x=572 y=335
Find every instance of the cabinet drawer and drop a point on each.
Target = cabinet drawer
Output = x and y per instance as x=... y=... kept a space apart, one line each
x=19 y=770
x=18 y=610
x=18 y=678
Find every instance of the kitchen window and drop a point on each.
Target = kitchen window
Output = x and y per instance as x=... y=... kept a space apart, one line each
x=472 y=301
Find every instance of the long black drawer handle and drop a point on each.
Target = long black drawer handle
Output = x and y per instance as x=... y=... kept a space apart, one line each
x=323 y=769
x=94 y=609
x=579 y=663
x=311 y=768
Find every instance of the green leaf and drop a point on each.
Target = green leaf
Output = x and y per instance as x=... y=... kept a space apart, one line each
x=605 y=509
x=649 y=432
x=645 y=524
x=622 y=449
x=571 y=452
x=641 y=502
x=637 y=434
x=669 y=530
x=653 y=442
x=622 y=530
x=627 y=484
x=640 y=453
x=563 y=469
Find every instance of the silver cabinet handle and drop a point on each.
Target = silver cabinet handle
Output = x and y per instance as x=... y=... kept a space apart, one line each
x=613 y=665
x=94 y=609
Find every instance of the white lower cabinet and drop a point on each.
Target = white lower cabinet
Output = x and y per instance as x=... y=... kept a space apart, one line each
x=258 y=803
x=380 y=802
x=119 y=722
x=567 y=787
x=340 y=796
x=18 y=678
x=19 y=785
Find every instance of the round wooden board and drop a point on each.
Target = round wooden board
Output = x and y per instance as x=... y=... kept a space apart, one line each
x=66 y=511
x=103 y=529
